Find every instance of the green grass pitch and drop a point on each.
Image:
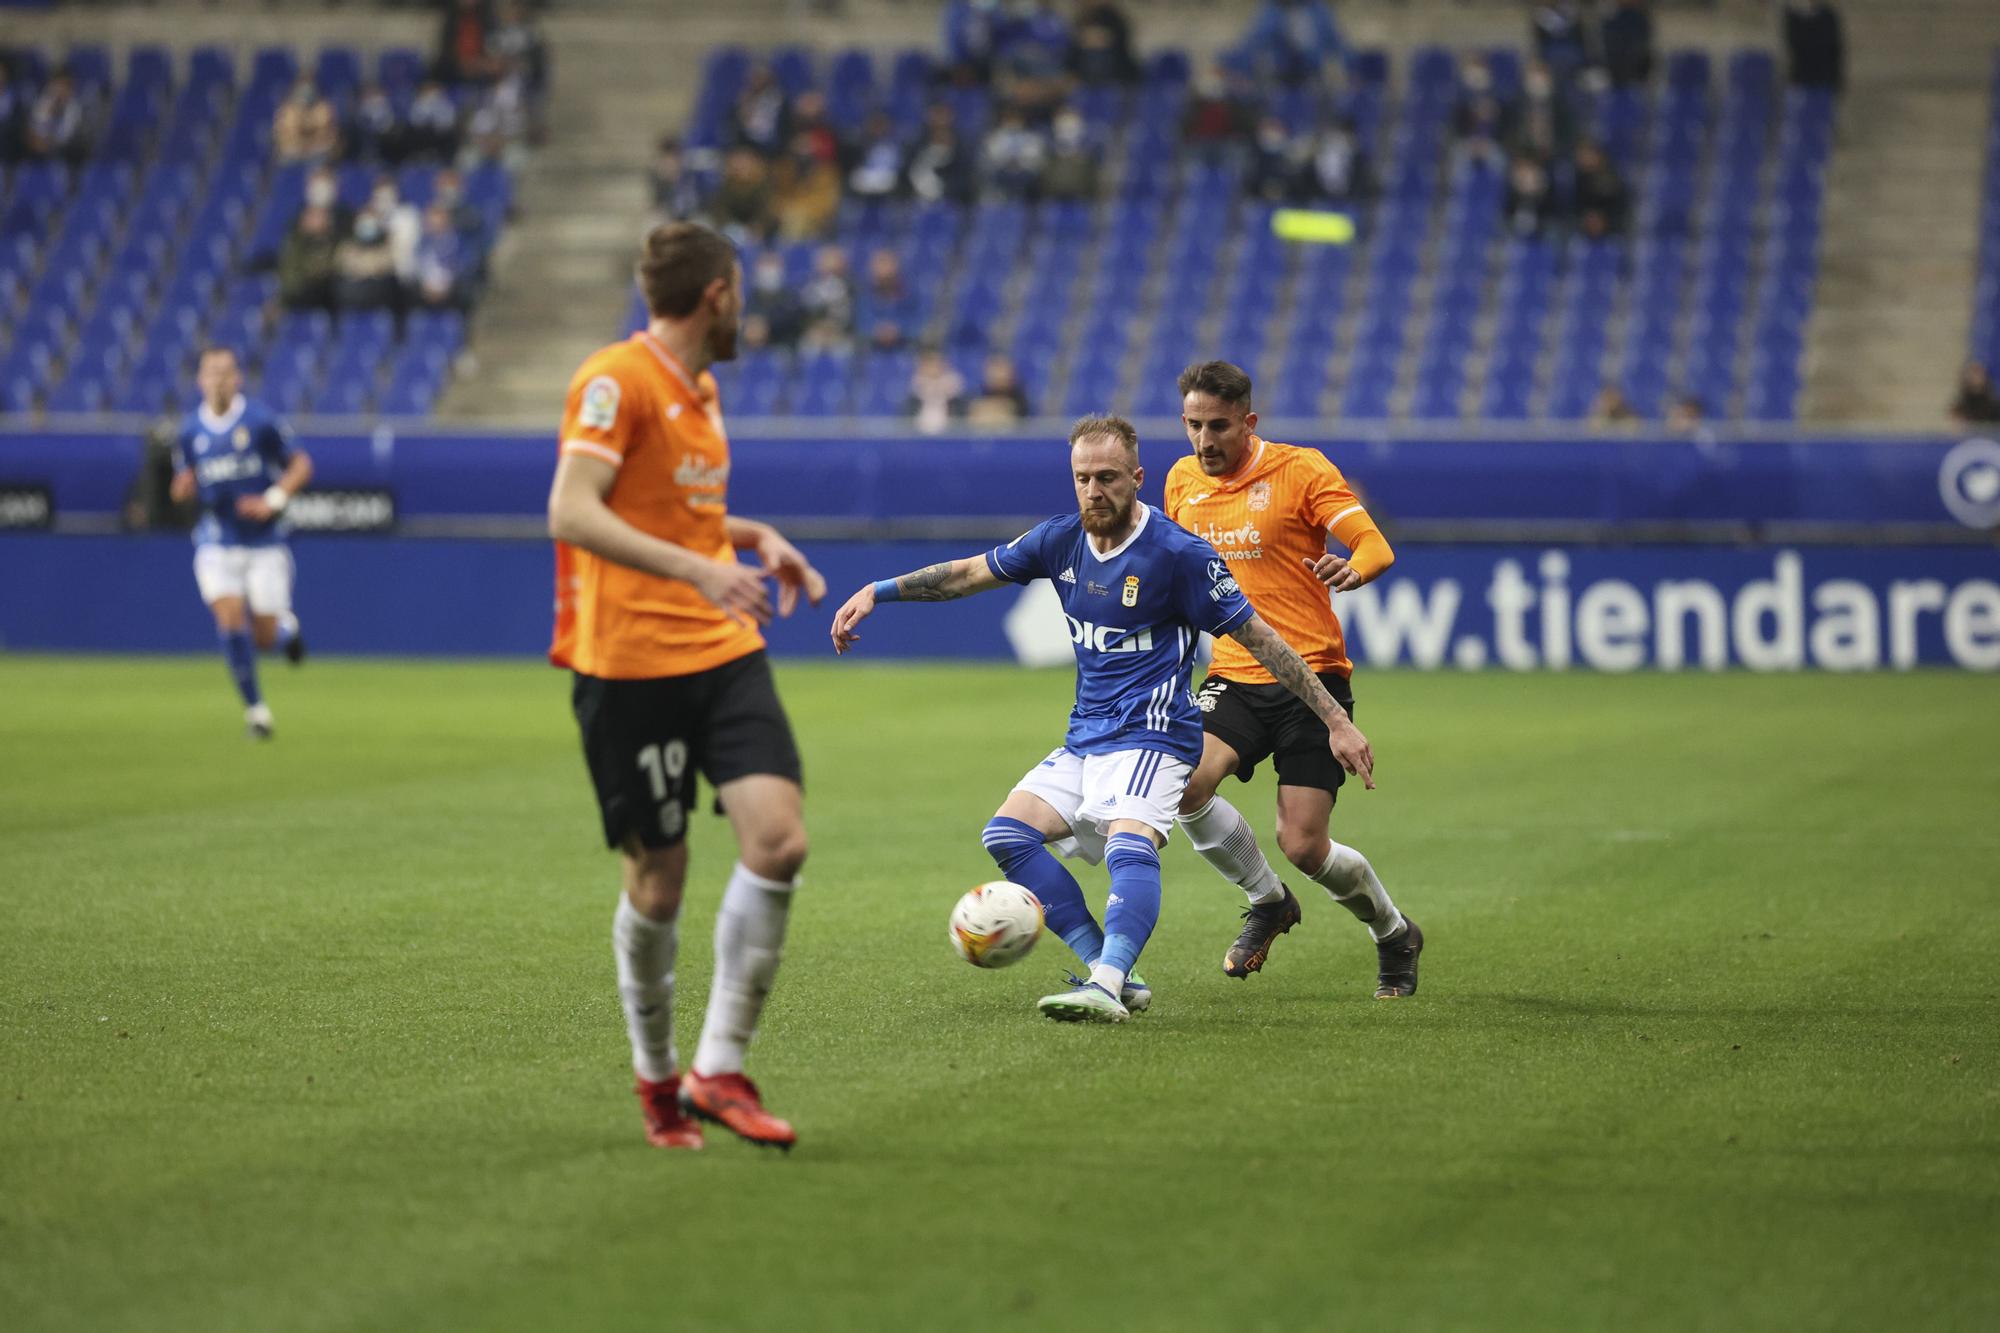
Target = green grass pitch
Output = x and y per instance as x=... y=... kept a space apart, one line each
x=321 y=1034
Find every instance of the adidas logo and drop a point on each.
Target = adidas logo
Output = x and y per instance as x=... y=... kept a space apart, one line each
x=1068 y=576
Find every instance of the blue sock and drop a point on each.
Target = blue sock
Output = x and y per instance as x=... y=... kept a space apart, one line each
x=1135 y=898
x=1022 y=857
x=241 y=654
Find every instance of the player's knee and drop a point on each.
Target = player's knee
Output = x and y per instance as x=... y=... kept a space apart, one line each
x=777 y=853
x=654 y=881
x=266 y=637
x=1008 y=840
x=1304 y=848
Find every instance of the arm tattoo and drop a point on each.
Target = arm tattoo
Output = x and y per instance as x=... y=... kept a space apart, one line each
x=1289 y=669
x=933 y=583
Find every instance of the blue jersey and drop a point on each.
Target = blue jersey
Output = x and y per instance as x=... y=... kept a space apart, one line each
x=242 y=452
x=1134 y=619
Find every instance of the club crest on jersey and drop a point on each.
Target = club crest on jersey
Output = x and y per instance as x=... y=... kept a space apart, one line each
x=1260 y=495
x=1131 y=595
x=241 y=438
x=599 y=409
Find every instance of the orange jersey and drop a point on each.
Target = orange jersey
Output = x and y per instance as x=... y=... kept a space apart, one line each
x=1267 y=519
x=634 y=406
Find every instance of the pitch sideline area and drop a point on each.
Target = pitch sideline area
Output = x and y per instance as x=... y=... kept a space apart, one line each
x=322 y=1034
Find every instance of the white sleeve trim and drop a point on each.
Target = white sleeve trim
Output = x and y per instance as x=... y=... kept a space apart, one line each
x=611 y=456
x=1351 y=509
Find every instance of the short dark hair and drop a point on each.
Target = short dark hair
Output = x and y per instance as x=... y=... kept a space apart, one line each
x=676 y=264
x=1217 y=379
x=1118 y=428
x=218 y=349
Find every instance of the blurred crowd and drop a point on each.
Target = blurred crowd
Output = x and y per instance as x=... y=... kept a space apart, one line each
x=479 y=103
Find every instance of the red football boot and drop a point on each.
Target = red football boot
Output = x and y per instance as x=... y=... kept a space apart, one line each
x=731 y=1100
x=667 y=1126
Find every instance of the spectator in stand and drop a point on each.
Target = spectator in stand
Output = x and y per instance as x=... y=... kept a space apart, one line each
x=463 y=55
x=1033 y=72
x=376 y=130
x=1071 y=171
x=1218 y=118
x=323 y=191
x=975 y=31
x=403 y=224
x=1336 y=169
x=498 y=129
x=1603 y=204
x=516 y=41
x=1480 y=120
x=762 y=117
x=1613 y=408
x=448 y=193
x=55 y=125
x=1000 y=398
x=937 y=392
x=887 y=306
x=366 y=267
x=433 y=125
x=13 y=118
x=1273 y=175
x=1562 y=38
x=675 y=194
x=1686 y=413
x=306 y=264
x=805 y=190
x=441 y=279
x=1815 y=47
x=1013 y=156
x=828 y=302
x=741 y=205
x=772 y=314
x=1541 y=123
x=304 y=129
x=942 y=168
x=1976 y=404
x=809 y=122
x=1529 y=204
x=877 y=157
x=1102 y=50
x=1295 y=41
x=1627 y=41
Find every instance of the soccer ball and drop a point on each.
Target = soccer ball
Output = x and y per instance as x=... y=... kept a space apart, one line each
x=995 y=924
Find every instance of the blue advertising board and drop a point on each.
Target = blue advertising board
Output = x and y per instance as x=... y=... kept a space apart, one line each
x=1513 y=606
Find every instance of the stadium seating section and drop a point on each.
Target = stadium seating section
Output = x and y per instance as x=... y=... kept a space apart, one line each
x=1435 y=313
x=1986 y=296
x=112 y=275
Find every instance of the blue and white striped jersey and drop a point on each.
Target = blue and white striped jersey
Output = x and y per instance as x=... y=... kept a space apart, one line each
x=1135 y=614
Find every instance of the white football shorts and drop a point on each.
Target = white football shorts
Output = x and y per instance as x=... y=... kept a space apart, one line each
x=261 y=575
x=1092 y=791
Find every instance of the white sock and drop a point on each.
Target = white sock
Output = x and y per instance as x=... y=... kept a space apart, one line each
x=1355 y=886
x=645 y=950
x=1225 y=840
x=749 y=940
x=1108 y=977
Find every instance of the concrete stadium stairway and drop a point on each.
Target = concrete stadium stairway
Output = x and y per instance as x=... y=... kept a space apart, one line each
x=1897 y=257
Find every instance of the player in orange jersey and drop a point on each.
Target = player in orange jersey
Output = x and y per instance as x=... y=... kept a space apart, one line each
x=658 y=621
x=1268 y=509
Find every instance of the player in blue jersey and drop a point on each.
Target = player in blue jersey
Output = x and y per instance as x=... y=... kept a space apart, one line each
x=1137 y=591
x=240 y=459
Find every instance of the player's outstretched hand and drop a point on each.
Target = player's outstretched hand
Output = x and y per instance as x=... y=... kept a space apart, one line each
x=1350 y=750
x=736 y=588
x=181 y=489
x=1334 y=572
x=848 y=616
x=794 y=573
x=254 y=508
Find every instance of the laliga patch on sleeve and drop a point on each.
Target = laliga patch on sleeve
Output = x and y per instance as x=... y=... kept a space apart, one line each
x=600 y=404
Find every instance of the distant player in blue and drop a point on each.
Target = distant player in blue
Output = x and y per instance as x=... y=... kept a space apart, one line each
x=1137 y=591
x=239 y=458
